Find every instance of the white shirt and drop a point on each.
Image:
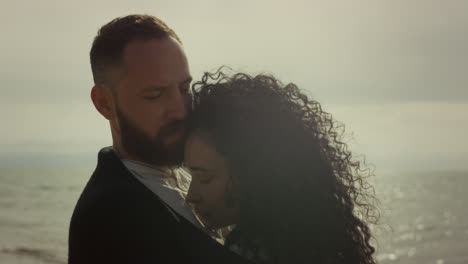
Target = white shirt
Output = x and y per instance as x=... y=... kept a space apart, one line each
x=170 y=185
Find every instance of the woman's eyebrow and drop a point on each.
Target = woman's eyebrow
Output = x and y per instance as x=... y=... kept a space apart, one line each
x=197 y=169
x=188 y=80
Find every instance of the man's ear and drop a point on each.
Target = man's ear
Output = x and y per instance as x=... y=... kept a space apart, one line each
x=103 y=101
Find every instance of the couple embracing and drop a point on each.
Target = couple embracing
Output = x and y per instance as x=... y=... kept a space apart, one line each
x=233 y=168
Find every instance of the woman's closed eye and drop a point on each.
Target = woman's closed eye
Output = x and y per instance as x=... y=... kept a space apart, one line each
x=206 y=180
x=202 y=178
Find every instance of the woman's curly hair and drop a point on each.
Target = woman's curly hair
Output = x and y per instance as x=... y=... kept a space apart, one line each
x=301 y=196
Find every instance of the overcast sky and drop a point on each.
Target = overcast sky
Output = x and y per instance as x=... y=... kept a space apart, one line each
x=395 y=72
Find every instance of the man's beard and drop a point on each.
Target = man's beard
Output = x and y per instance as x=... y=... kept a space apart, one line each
x=147 y=149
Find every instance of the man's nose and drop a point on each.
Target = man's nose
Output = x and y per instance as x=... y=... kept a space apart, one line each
x=177 y=105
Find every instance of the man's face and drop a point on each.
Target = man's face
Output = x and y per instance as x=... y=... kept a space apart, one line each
x=152 y=100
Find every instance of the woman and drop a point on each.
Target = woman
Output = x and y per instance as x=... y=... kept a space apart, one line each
x=266 y=159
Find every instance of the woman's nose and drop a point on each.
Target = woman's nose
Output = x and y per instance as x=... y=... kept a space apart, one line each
x=192 y=196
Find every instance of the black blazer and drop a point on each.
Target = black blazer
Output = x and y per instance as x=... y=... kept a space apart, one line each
x=119 y=220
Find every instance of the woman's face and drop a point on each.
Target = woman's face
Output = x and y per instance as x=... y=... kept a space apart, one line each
x=210 y=177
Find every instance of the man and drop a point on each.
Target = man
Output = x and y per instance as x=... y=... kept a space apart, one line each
x=132 y=210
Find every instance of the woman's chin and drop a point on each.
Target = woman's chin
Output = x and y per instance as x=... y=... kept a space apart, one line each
x=210 y=224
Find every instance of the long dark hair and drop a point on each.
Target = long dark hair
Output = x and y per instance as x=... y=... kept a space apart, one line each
x=301 y=196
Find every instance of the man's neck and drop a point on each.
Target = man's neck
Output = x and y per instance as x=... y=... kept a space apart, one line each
x=124 y=155
x=156 y=167
x=121 y=153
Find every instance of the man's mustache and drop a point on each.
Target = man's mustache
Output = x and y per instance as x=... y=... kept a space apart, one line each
x=172 y=127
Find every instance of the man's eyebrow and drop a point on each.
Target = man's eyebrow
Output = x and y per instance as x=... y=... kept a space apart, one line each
x=154 y=88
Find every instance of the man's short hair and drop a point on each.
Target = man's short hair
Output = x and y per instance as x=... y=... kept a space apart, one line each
x=110 y=42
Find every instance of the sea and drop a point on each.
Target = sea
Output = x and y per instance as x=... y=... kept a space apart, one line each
x=424 y=215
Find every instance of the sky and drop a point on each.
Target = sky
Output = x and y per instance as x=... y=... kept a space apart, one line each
x=394 y=72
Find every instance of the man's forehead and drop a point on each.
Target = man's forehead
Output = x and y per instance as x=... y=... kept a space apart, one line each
x=148 y=50
x=159 y=59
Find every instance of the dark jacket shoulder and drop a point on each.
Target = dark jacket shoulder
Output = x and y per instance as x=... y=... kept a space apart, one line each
x=118 y=220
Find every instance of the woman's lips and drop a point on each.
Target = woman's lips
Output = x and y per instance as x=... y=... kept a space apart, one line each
x=201 y=213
